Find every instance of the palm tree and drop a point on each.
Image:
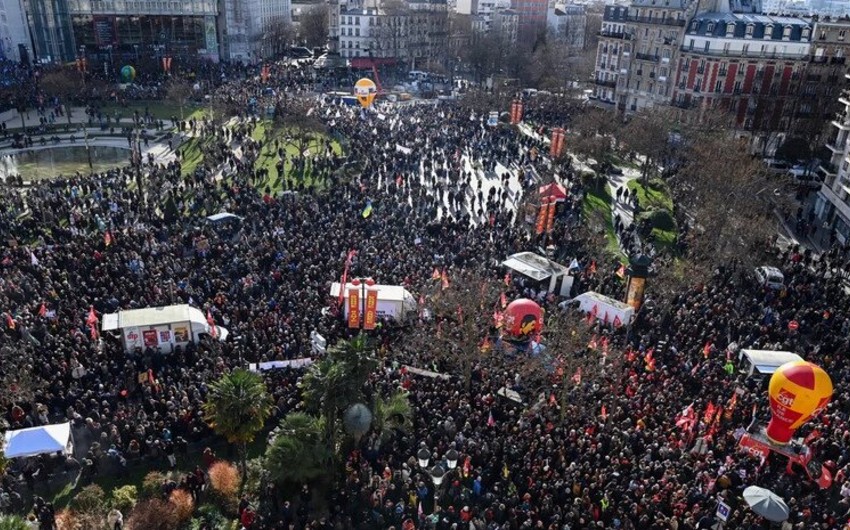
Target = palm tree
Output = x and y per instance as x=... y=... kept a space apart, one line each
x=298 y=452
x=13 y=522
x=338 y=381
x=392 y=414
x=237 y=408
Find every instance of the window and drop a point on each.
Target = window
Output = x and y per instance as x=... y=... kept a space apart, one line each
x=730 y=29
x=707 y=46
x=750 y=28
x=694 y=25
x=691 y=44
x=822 y=35
x=807 y=31
x=737 y=87
x=710 y=28
x=718 y=86
x=356 y=32
x=842 y=34
x=786 y=32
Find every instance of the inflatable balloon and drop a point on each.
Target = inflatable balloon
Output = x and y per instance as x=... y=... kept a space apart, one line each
x=523 y=318
x=798 y=391
x=365 y=91
x=128 y=73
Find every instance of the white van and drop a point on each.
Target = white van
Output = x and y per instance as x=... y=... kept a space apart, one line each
x=769 y=277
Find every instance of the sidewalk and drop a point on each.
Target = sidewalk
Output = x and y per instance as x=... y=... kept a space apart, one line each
x=625 y=211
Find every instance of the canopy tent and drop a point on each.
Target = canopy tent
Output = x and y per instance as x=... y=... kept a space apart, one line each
x=540 y=269
x=552 y=191
x=33 y=441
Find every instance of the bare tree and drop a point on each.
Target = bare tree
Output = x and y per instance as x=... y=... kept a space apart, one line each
x=278 y=34
x=178 y=91
x=65 y=84
x=313 y=27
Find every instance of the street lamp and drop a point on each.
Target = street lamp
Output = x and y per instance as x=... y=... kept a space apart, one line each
x=423 y=455
x=452 y=457
x=437 y=474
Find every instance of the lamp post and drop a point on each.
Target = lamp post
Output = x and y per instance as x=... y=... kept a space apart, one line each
x=638 y=272
x=423 y=456
x=437 y=475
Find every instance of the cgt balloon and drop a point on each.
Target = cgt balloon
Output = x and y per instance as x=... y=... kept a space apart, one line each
x=798 y=391
x=365 y=90
x=523 y=319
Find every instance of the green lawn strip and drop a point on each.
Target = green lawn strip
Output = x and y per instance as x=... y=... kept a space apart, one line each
x=656 y=196
x=597 y=207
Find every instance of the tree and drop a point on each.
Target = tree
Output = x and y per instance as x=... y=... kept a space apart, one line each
x=237 y=408
x=592 y=136
x=65 y=84
x=178 y=91
x=278 y=34
x=298 y=452
x=648 y=133
x=730 y=199
x=313 y=27
x=13 y=522
x=338 y=381
x=300 y=125
x=392 y=414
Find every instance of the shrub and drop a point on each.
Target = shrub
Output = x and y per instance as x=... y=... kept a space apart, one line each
x=183 y=504
x=152 y=484
x=66 y=520
x=224 y=485
x=660 y=219
x=124 y=498
x=254 y=476
x=90 y=499
x=209 y=513
x=153 y=514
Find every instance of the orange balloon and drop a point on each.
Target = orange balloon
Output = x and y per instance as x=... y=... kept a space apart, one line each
x=798 y=391
x=365 y=90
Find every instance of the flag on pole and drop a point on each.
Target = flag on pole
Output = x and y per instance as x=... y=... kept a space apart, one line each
x=491 y=422
x=10 y=322
x=577 y=376
x=33 y=259
x=508 y=279
x=42 y=311
x=444 y=279
x=574 y=265
x=686 y=418
x=706 y=350
x=107 y=238
x=592 y=268
x=91 y=320
x=617 y=322
x=503 y=300
x=436 y=274
x=592 y=345
x=603 y=413
x=367 y=211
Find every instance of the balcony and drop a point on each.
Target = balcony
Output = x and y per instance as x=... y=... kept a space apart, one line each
x=740 y=53
x=647 y=57
x=818 y=59
x=685 y=104
x=605 y=83
x=842 y=123
x=615 y=35
x=656 y=20
x=834 y=148
x=837 y=60
x=828 y=170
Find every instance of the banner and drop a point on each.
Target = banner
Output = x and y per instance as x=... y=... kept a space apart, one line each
x=556 y=146
x=493 y=119
x=516 y=112
x=550 y=217
x=150 y=338
x=353 y=308
x=634 y=296
x=181 y=334
x=542 y=212
x=370 y=315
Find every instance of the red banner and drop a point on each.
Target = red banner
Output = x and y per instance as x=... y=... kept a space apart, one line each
x=550 y=217
x=556 y=145
x=370 y=315
x=540 y=226
x=353 y=308
x=516 y=112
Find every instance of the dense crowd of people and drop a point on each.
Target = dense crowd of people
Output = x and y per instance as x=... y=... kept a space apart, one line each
x=444 y=191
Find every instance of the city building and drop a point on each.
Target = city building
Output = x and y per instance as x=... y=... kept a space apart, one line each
x=832 y=204
x=612 y=53
x=50 y=29
x=414 y=33
x=243 y=25
x=507 y=23
x=567 y=23
x=15 y=41
x=114 y=32
x=746 y=65
x=532 y=17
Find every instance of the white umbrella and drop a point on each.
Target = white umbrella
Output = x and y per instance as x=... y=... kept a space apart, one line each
x=766 y=503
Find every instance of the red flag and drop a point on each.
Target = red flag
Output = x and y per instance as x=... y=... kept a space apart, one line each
x=491 y=421
x=92 y=318
x=436 y=274
x=706 y=350
x=604 y=343
x=617 y=322
x=593 y=343
x=592 y=268
x=605 y=319
x=590 y=318
x=485 y=345
x=211 y=322
x=107 y=238
x=508 y=279
x=503 y=300
x=686 y=418
x=708 y=416
x=649 y=359
x=577 y=376
x=552 y=400
x=42 y=311
x=10 y=322
x=444 y=279
x=467 y=466
x=604 y=413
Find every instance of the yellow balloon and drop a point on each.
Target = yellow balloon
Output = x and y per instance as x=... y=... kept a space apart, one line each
x=365 y=90
x=798 y=391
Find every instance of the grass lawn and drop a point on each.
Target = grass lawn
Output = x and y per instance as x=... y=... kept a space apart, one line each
x=656 y=196
x=162 y=110
x=193 y=154
x=596 y=209
x=268 y=157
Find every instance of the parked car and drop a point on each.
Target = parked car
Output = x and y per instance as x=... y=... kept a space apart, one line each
x=769 y=277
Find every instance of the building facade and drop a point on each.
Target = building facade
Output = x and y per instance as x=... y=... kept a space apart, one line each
x=748 y=66
x=567 y=23
x=50 y=29
x=832 y=204
x=15 y=41
x=413 y=33
x=612 y=53
x=532 y=16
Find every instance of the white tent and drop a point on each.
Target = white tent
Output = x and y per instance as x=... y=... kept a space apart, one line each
x=33 y=441
x=540 y=269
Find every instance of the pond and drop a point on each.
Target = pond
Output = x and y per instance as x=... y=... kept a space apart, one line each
x=51 y=162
